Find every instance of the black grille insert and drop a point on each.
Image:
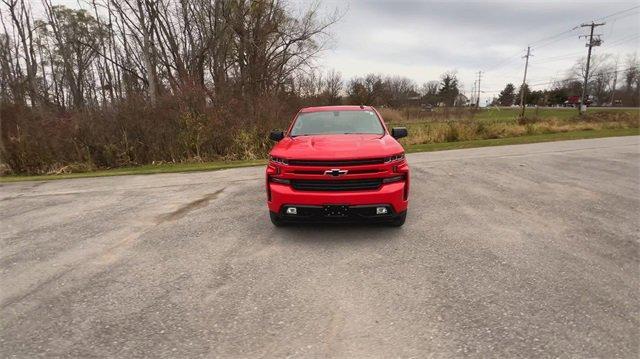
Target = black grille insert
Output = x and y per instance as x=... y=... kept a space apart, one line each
x=337 y=185
x=368 y=161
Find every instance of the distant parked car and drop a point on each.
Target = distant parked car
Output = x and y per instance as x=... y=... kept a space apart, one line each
x=426 y=108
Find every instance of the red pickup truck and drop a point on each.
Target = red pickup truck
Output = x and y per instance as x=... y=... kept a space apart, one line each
x=574 y=101
x=338 y=164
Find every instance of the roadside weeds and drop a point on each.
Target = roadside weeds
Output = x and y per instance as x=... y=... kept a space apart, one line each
x=411 y=148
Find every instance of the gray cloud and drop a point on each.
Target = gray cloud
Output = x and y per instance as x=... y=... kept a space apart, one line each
x=421 y=39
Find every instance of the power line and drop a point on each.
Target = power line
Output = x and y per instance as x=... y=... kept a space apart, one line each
x=554 y=38
x=550 y=82
x=622 y=17
x=617 y=13
x=554 y=41
x=622 y=40
x=577 y=27
x=557 y=37
x=535 y=66
x=504 y=62
x=615 y=42
x=563 y=35
x=558 y=58
x=607 y=45
x=574 y=78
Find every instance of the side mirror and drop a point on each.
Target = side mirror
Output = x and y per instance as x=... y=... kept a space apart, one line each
x=276 y=135
x=399 y=132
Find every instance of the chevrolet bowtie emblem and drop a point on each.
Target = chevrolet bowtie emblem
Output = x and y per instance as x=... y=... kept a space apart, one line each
x=335 y=172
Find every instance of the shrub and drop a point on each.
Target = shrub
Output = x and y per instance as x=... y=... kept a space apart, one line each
x=132 y=132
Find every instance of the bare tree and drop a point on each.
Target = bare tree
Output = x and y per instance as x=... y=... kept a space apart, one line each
x=632 y=80
x=140 y=18
x=139 y=80
x=597 y=61
x=22 y=22
x=601 y=83
x=332 y=92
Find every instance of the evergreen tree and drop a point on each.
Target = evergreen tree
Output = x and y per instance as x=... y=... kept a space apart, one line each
x=507 y=96
x=449 y=88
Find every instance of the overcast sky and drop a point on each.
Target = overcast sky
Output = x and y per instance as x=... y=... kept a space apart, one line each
x=422 y=39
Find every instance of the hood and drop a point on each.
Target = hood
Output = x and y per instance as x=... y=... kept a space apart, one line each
x=336 y=147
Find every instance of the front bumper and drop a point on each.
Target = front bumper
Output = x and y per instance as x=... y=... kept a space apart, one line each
x=338 y=213
x=359 y=203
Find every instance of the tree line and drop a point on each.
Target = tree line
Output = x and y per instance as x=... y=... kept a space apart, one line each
x=128 y=82
x=383 y=90
x=611 y=82
x=73 y=58
x=125 y=82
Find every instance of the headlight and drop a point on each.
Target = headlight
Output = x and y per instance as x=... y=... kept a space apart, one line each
x=278 y=160
x=398 y=157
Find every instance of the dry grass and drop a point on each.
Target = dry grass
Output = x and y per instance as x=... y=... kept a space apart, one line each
x=133 y=134
x=418 y=115
x=465 y=129
x=178 y=129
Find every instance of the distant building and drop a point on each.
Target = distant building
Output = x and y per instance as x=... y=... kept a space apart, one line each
x=461 y=100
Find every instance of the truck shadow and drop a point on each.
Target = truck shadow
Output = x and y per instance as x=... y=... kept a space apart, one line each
x=338 y=232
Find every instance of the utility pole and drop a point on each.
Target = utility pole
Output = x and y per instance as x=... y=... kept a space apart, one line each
x=590 y=45
x=478 y=98
x=615 y=79
x=524 y=79
x=473 y=91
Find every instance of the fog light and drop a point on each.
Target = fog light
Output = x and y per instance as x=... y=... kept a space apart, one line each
x=292 y=210
x=381 y=210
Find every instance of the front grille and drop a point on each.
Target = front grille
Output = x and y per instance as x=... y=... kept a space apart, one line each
x=333 y=163
x=336 y=185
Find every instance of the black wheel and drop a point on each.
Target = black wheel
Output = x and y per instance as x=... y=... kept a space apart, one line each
x=399 y=221
x=275 y=219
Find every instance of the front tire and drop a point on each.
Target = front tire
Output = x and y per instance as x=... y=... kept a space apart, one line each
x=275 y=219
x=399 y=221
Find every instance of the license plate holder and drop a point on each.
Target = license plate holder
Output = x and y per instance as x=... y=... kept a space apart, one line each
x=335 y=210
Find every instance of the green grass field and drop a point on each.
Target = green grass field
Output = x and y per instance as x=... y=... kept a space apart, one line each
x=548 y=137
x=499 y=114
x=464 y=125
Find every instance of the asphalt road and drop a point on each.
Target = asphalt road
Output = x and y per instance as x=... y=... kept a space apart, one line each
x=515 y=251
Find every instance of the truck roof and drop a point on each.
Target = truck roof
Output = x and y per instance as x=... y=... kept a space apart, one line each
x=336 y=108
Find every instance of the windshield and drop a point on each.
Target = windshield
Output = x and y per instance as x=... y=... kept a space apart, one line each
x=337 y=122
